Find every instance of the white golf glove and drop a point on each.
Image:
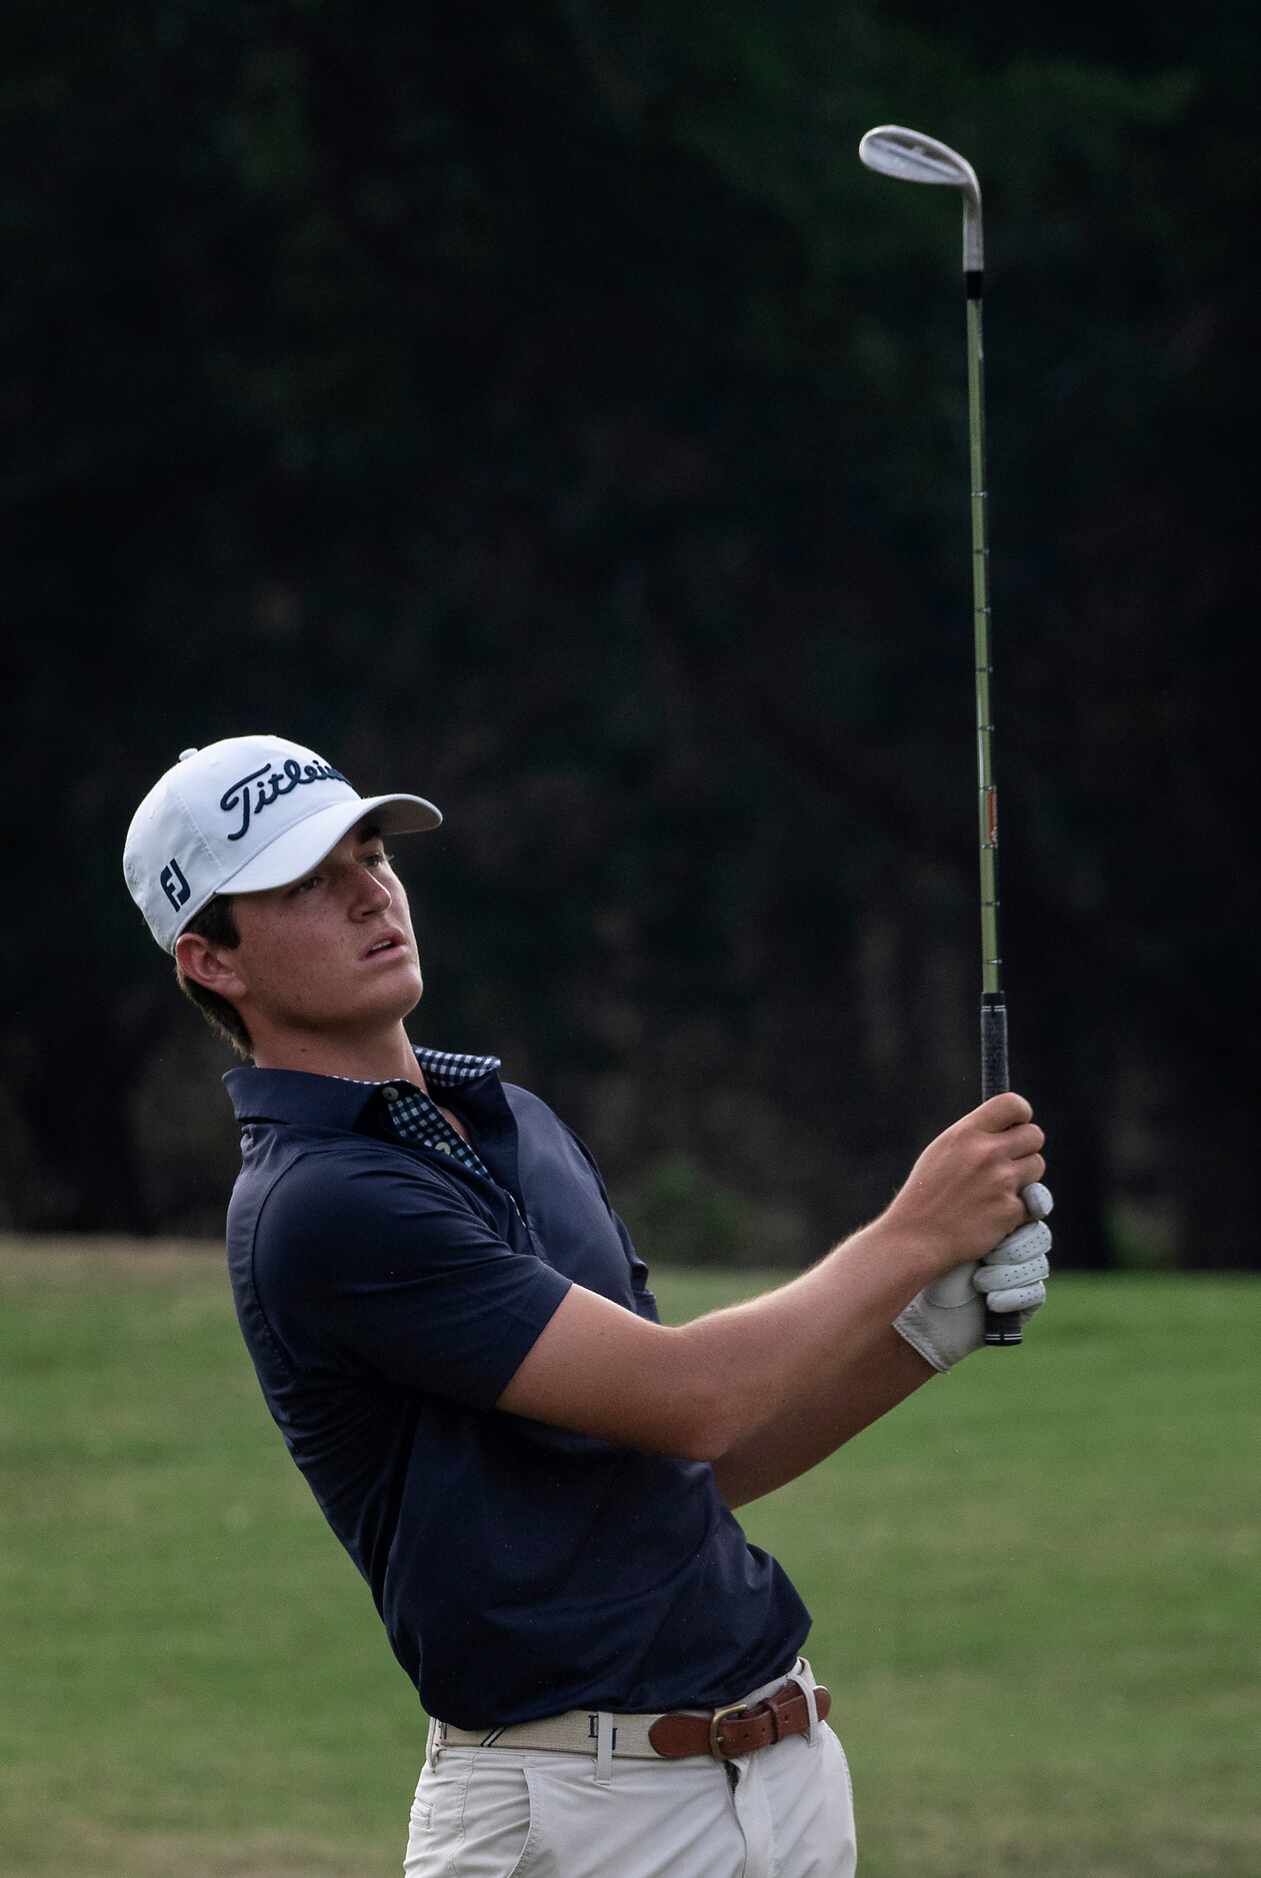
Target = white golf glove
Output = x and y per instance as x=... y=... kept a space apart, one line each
x=946 y=1321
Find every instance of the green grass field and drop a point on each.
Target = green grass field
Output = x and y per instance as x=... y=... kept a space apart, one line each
x=1034 y=1591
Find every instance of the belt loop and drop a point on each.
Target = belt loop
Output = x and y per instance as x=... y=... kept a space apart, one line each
x=435 y=1741
x=605 y=1739
x=805 y=1682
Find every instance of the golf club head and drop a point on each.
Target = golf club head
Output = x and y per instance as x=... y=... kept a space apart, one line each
x=911 y=157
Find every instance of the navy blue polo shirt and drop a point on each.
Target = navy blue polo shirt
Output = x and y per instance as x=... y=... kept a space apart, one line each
x=388 y=1290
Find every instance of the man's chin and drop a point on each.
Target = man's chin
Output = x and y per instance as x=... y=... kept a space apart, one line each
x=380 y=1005
x=403 y=997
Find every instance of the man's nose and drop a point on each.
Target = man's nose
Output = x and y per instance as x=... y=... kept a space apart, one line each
x=369 y=893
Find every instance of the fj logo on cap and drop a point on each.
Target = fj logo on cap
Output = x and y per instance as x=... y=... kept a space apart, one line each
x=269 y=785
x=173 y=884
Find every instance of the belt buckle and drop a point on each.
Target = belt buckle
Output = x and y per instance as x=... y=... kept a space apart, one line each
x=715 y=1727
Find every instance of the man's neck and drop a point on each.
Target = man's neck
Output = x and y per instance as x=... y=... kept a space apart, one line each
x=385 y=1057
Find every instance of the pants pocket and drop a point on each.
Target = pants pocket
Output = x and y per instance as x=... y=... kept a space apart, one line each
x=652 y=1820
x=842 y=1831
x=471 y=1818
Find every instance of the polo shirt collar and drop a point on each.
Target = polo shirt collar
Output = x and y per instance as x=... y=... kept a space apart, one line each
x=447 y=1069
x=296 y=1095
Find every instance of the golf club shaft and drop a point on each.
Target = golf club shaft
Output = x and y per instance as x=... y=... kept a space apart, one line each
x=1000 y=1332
x=910 y=156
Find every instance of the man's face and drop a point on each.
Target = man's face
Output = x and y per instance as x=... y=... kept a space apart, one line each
x=334 y=951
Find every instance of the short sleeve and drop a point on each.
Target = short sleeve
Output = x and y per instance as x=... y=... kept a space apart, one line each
x=377 y=1263
x=645 y=1300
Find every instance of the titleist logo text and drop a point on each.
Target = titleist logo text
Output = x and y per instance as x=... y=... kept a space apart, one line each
x=257 y=791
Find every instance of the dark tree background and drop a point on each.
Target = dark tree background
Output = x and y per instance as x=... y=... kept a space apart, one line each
x=542 y=410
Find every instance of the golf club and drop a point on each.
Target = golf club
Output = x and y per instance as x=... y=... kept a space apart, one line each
x=911 y=157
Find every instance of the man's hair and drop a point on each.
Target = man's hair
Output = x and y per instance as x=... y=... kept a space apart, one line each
x=216 y=925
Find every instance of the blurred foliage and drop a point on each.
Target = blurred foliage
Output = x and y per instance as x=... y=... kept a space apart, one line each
x=676 y=1203
x=548 y=413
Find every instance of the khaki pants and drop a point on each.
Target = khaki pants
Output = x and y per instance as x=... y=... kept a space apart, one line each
x=785 y=1811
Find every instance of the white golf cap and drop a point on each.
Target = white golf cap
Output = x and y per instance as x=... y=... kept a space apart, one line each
x=241 y=816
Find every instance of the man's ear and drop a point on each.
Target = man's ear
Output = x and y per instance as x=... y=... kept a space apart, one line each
x=211 y=966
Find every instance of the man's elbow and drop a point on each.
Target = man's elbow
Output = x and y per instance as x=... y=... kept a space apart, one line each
x=699 y=1443
x=709 y=1422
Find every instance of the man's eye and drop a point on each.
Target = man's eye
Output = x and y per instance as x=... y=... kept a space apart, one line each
x=305 y=886
x=379 y=859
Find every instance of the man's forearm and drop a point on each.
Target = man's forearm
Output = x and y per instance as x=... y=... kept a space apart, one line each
x=784 y=1379
x=800 y=1369
x=712 y=1388
x=829 y=1410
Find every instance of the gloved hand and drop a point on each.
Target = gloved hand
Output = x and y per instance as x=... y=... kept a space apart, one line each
x=946 y=1321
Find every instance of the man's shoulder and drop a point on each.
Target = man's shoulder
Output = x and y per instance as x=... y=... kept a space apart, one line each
x=523 y=1101
x=540 y=1124
x=530 y=1110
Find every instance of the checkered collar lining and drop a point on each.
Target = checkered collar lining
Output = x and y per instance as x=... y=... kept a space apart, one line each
x=447 y=1069
x=415 y=1117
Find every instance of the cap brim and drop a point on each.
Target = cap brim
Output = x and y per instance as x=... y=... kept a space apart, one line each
x=304 y=845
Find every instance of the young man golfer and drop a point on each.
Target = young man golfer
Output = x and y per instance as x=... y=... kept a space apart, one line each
x=454 y=1334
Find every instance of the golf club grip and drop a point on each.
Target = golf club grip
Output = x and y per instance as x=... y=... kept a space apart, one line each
x=1001 y=1332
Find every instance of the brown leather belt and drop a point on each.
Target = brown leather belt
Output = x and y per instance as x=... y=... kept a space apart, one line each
x=725 y=1733
x=735 y=1730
